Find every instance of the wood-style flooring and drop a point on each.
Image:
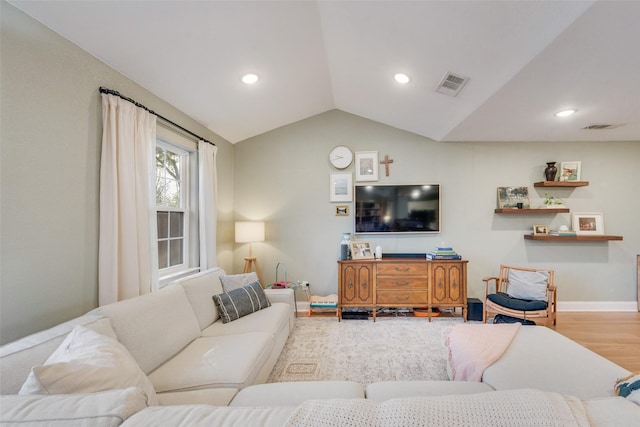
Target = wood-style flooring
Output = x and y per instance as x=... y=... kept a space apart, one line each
x=614 y=335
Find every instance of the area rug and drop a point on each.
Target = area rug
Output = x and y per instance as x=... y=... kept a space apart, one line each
x=392 y=348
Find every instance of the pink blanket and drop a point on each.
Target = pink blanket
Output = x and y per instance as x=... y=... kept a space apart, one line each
x=472 y=348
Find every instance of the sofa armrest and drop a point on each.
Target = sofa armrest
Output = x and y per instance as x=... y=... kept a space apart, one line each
x=107 y=408
x=209 y=396
x=281 y=295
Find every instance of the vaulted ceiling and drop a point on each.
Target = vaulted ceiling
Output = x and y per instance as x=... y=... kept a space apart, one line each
x=525 y=60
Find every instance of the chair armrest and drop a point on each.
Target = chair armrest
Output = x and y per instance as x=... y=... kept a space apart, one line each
x=486 y=281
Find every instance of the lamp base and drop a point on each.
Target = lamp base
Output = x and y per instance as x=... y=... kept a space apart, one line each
x=248 y=262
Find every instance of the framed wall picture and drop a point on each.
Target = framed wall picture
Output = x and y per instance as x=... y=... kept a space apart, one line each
x=342 y=210
x=361 y=250
x=340 y=187
x=509 y=197
x=570 y=171
x=588 y=223
x=366 y=165
x=540 y=230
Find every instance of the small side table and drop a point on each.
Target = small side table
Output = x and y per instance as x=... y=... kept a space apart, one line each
x=295 y=285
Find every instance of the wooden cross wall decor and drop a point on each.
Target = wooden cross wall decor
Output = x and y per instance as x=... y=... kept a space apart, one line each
x=386 y=162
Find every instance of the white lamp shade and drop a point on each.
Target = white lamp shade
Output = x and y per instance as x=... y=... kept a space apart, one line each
x=248 y=232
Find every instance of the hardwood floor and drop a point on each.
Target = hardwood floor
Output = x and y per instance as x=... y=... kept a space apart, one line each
x=615 y=336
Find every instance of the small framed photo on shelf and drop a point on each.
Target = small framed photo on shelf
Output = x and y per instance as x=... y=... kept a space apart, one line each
x=510 y=197
x=361 y=250
x=342 y=210
x=540 y=230
x=366 y=165
x=340 y=187
x=586 y=223
x=570 y=171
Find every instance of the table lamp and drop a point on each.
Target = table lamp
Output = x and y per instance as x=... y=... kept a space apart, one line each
x=249 y=232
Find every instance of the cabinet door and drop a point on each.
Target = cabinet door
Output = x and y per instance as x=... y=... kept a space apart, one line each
x=447 y=284
x=357 y=284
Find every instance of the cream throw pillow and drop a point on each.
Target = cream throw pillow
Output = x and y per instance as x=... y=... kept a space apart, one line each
x=88 y=362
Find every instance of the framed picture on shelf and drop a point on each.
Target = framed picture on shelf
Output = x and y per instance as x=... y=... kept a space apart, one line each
x=361 y=250
x=366 y=165
x=570 y=171
x=340 y=187
x=588 y=223
x=509 y=197
x=342 y=210
x=540 y=230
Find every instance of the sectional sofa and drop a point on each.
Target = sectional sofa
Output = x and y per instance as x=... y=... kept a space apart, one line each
x=189 y=368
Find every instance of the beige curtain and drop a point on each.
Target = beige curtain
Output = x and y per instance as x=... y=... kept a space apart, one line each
x=207 y=202
x=128 y=258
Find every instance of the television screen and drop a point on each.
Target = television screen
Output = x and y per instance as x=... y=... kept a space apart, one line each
x=405 y=208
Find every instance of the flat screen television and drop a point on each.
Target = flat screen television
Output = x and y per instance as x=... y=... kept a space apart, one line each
x=397 y=208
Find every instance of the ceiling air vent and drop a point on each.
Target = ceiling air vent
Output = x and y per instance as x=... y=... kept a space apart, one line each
x=451 y=84
x=600 y=126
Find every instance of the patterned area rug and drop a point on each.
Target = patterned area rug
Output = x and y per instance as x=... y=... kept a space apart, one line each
x=392 y=348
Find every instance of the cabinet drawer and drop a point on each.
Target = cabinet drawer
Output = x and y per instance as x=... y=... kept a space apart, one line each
x=402 y=269
x=399 y=283
x=402 y=298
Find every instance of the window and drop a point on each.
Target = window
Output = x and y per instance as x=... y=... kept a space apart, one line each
x=172 y=208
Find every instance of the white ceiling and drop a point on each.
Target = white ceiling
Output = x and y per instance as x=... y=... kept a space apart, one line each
x=526 y=60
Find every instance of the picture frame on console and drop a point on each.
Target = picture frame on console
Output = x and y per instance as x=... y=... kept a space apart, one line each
x=366 y=165
x=588 y=223
x=361 y=250
x=340 y=187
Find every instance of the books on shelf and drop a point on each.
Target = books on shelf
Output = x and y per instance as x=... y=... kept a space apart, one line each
x=561 y=233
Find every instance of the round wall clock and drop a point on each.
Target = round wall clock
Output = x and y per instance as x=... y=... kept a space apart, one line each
x=340 y=157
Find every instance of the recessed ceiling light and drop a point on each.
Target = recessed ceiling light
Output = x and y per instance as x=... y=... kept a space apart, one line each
x=402 y=78
x=249 y=79
x=565 y=113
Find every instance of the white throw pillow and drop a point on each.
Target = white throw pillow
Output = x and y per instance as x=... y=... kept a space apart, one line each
x=88 y=362
x=528 y=285
x=236 y=281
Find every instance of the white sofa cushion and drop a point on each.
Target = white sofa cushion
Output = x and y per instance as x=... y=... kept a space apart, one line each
x=229 y=361
x=207 y=396
x=385 y=390
x=210 y=416
x=294 y=393
x=541 y=358
x=154 y=327
x=271 y=320
x=199 y=289
x=87 y=362
x=103 y=409
x=17 y=358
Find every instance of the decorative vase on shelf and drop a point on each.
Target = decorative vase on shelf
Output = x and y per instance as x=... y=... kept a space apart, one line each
x=550 y=171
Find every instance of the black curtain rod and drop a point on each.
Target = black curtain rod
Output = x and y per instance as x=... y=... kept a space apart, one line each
x=137 y=104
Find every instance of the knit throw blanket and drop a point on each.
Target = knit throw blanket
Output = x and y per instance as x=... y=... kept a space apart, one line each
x=472 y=348
x=501 y=408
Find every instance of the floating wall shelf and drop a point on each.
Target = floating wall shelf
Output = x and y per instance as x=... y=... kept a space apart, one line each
x=579 y=238
x=561 y=184
x=531 y=211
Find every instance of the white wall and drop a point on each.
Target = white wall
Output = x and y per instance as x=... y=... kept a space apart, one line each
x=51 y=136
x=282 y=177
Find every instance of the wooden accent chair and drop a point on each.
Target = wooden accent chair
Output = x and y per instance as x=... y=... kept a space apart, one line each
x=524 y=293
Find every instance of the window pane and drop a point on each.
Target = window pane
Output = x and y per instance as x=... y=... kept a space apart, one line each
x=163 y=261
x=172 y=195
x=163 y=225
x=176 y=228
x=172 y=164
x=176 y=251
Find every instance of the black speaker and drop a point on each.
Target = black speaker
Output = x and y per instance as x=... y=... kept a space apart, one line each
x=474 y=309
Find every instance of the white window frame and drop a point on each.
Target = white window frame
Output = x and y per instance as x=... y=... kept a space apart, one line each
x=185 y=208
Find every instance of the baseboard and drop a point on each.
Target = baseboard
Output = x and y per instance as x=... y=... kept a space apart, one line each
x=303 y=306
x=597 y=306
